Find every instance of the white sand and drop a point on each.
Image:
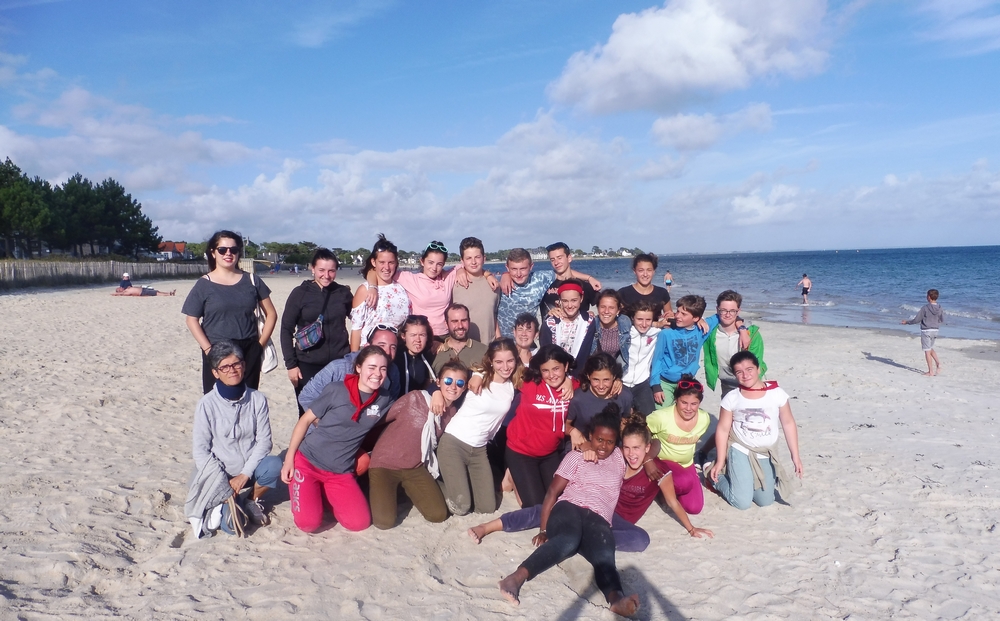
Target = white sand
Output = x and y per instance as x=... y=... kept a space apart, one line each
x=897 y=516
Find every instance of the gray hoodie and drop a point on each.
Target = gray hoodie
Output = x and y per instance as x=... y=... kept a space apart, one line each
x=237 y=433
x=930 y=317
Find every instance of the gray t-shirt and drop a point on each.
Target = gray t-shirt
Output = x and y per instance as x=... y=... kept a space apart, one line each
x=726 y=346
x=586 y=405
x=336 y=438
x=226 y=311
x=482 y=302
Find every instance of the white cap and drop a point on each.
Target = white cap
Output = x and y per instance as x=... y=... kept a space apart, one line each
x=125 y=275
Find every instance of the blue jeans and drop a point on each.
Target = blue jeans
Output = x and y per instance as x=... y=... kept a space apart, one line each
x=736 y=486
x=267 y=472
x=628 y=536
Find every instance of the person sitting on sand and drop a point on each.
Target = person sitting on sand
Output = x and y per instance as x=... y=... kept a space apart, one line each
x=601 y=385
x=679 y=428
x=125 y=288
x=232 y=433
x=645 y=476
x=322 y=464
x=405 y=452
x=576 y=518
x=748 y=470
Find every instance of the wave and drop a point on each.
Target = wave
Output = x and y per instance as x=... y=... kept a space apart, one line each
x=982 y=315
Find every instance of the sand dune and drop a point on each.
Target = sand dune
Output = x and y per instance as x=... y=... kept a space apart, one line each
x=897 y=516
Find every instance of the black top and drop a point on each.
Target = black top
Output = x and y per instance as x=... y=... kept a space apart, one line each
x=304 y=305
x=414 y=372
x=226 y=311
x=659 y=297
x=552 y=296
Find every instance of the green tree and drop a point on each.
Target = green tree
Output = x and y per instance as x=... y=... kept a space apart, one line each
x=25 y=215
x=123 y=226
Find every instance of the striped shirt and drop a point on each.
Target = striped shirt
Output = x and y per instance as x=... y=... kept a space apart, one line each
x=593 y=486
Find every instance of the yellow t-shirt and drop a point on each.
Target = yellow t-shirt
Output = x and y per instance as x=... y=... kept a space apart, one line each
x=676 y=445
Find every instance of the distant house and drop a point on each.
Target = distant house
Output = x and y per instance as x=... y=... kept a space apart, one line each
x=173 y=251
x=626 y=253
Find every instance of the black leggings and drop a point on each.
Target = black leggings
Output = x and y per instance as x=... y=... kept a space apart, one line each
x=253 y=357
x=308 y=371
x=571 y=530
x=532 y=475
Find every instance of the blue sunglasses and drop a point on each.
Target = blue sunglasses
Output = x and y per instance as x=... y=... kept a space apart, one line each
x=448 y=381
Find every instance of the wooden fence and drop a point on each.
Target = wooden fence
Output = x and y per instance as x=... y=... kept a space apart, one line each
x=20 y=274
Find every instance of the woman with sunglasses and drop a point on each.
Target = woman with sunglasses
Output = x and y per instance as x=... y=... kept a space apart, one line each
x=321 y=465
x=535 y=436
x=221 y=305
x=465 y=466
x=748 y=470
x=404 y=453
x=415 y=370
x=391 y=307
x=318 y=300
x=679 y=428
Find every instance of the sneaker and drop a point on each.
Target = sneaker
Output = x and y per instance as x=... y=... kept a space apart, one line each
x=227 y=520
x=256 y=512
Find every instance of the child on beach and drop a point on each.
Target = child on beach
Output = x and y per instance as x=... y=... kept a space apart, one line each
x=678 y=348
x=930 y=318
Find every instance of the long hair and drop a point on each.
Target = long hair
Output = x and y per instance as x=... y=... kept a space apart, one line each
x=213 y=243
x=382 y=245
x=499 y=345
x=545 y=354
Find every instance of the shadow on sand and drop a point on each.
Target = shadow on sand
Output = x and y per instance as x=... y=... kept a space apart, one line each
x=890 y=362
x=652 y=603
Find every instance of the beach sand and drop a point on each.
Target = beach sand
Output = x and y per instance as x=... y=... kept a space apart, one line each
x=896 y=517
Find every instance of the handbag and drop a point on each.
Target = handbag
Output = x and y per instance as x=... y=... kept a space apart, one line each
x=269 y=361
x=312 y=334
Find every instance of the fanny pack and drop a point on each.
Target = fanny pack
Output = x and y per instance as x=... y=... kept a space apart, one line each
x=312 y=334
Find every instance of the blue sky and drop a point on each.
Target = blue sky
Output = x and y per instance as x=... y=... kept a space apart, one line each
x=687 y=126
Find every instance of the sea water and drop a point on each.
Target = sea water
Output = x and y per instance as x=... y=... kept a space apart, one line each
x=856 y=288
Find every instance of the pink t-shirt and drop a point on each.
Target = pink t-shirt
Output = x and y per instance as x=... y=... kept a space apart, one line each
x=429 y=297
x=593 y=486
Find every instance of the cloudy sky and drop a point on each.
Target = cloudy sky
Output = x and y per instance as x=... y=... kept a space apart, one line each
x=688 y=126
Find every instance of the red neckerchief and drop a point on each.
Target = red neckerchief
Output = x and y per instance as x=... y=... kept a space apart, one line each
x=351 y=383
x=769 y=385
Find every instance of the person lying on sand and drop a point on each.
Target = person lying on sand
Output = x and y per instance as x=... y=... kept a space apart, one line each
x=125 y=288
x=569 y=527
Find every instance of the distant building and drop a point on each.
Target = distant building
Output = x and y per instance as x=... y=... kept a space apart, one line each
x=173 y=251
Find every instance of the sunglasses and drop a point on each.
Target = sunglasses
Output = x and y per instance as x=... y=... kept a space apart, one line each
x=224 y=250
x=448 y=381
x=685 y=384
x=230 y=368
x=438 y=247
x=383 y=326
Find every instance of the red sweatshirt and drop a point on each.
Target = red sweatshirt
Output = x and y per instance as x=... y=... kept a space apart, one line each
x=540 y=422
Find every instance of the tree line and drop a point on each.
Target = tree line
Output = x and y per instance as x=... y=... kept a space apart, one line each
x=79 y=215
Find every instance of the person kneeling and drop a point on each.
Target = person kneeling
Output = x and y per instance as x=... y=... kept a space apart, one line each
x=404 y=453
x=232 y=445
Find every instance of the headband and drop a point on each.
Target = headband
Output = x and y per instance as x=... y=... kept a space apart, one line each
x=570 y=286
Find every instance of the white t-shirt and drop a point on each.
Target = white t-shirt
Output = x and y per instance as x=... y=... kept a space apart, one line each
x=481 y=415
x=755 y=421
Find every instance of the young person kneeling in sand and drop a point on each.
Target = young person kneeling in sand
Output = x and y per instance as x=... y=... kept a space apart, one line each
x=576 y=518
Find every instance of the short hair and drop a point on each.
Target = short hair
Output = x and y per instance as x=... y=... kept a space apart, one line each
x=367 y=352
x=643 y=305
x=418 y=320
x=221 y=350
x=213 y=243
x=743 y=356
x=692 y=387
x=694 y=304
x=558 y=246
x=803 y=275
x=324 y=254
x=729 y=296
x=381 y=245
x=454 y=365
x=645 y=257
x=516 y=255
x=375 y=330
x=471 y=242
x=456 y=306
x=932 y=294
x=608 y=418
x=527 y=319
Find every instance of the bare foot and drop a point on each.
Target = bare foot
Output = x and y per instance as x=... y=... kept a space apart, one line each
x=508 y=482
x=626 y=606
x=928 y=374
x=510 y=587
x=476 y=533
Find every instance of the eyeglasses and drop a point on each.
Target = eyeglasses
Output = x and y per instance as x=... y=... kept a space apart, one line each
x=448 y=381
x=230 y=368
x=685 y=384
x=726 y=311
x=437 y=246
x=224 y=250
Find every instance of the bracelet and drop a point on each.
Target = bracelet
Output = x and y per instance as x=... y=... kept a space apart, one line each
x=647 y=461
x=691 y=530
x=541 y=531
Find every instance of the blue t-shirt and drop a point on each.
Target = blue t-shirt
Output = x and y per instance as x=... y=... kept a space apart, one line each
x=677 y=352
x=523 y=299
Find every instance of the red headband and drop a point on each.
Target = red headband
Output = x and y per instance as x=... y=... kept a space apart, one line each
x=570 y=286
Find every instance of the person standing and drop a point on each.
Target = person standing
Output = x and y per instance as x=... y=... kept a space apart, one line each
x=727 y=338
x=573 y=330
x=318 y=300
x=644 y=267
x=479 y=297
x=393 y=304
x=221 y=305
x=930 y=319
x=561 y=258
x=807 y=286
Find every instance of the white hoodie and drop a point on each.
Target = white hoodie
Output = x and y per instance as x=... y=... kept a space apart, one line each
x=640 y=356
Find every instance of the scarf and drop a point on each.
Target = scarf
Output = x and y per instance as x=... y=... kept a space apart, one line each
x=231 y=393
x=351 y=383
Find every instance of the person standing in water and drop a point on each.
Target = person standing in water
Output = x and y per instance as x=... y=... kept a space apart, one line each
x=807 y=286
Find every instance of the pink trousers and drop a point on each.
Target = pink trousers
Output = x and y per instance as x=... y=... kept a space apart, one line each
x=311 y=484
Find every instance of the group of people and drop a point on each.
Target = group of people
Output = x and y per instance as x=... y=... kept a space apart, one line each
x=459 y=384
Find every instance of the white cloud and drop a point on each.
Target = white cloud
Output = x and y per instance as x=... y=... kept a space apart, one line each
x=973 y=25
x=665 y=57
x=694 y=132
x=322 y=21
